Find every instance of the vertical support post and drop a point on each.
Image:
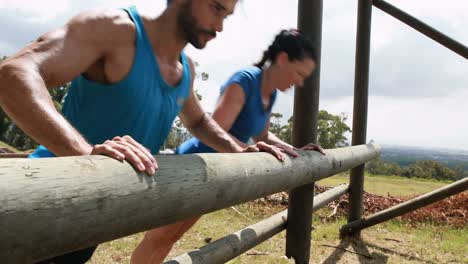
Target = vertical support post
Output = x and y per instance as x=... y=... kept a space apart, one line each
x=361 y=93
x=306 y=105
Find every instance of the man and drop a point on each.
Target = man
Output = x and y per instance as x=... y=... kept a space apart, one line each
x=130 y=80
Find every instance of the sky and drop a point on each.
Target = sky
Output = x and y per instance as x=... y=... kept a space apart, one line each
x=418 y=88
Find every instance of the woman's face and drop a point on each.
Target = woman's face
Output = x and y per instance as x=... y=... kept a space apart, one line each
x=293 y=73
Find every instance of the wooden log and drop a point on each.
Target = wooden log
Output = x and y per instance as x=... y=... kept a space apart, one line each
x=406 y=207
x=13 y=155
x=53 y=206
x=231 y=246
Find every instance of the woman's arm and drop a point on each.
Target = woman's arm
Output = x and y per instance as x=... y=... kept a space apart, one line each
x=270 y=138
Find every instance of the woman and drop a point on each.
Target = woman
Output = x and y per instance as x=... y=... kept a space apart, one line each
x=244 y=110
x=246 y=100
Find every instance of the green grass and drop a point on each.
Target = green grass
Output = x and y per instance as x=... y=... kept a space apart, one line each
x=390 y=242
x=393 y=185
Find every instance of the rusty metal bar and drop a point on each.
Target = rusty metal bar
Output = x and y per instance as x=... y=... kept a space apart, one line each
x=422 y=27
x=361 y=94
x=233 y=245
x=408 y=206
x=306 y=107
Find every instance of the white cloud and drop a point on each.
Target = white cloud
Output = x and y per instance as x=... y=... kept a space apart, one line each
x=447 y=17
x=35 y=11
x=433 y=122
x=418 y=89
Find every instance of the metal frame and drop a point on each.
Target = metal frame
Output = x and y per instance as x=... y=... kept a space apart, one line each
x=425 y=29
x=406 y=207
x=361 y=94
x=306 y=107
x=355 y=221
x=233 y=245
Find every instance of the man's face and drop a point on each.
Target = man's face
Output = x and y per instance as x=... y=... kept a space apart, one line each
x=201 y=19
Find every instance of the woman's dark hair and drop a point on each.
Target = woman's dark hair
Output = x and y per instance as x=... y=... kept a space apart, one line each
x=293 y=42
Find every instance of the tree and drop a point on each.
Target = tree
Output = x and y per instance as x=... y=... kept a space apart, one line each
x=15 y=137
x=381 y=167
x=177 y=136
x=427 y=169
x=275 y=126
x=58 y=94
x=331 y=129
x=286 y=131
x=430 y=169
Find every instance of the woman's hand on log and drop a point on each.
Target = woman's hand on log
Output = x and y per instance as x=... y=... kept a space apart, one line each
x=264 y=147
x=288 y=149
x=316 y=147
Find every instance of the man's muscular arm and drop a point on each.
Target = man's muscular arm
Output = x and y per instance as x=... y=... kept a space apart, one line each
x=53 y=60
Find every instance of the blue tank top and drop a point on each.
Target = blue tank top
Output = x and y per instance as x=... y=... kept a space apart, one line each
x=142 y=105
x=252 y=118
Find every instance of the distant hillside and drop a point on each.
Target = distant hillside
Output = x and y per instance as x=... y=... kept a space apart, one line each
x=404 y=155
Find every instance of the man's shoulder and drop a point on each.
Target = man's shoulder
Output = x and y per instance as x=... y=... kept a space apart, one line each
x=104 y=15
x=106 y=24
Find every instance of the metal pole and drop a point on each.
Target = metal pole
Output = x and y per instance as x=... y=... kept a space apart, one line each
x=361 y=92
x=306 y=105
x=425 y=29
x=406 y=207
x=233 y=245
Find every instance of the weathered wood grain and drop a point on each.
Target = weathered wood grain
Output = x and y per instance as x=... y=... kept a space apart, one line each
x=52 y=206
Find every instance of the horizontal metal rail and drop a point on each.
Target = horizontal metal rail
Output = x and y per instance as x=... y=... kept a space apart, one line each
x=406 y=207
x=233 y=245
x=422 y=27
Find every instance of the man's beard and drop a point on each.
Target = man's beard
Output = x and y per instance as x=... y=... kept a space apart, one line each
x=190 y=27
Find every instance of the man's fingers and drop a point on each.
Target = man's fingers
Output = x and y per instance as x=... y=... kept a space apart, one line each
x=148 y=161
x=121 y=148
x=251 y=149
x=130 y=155
x=142 y=148
x=107 y=150
x=145 y=151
